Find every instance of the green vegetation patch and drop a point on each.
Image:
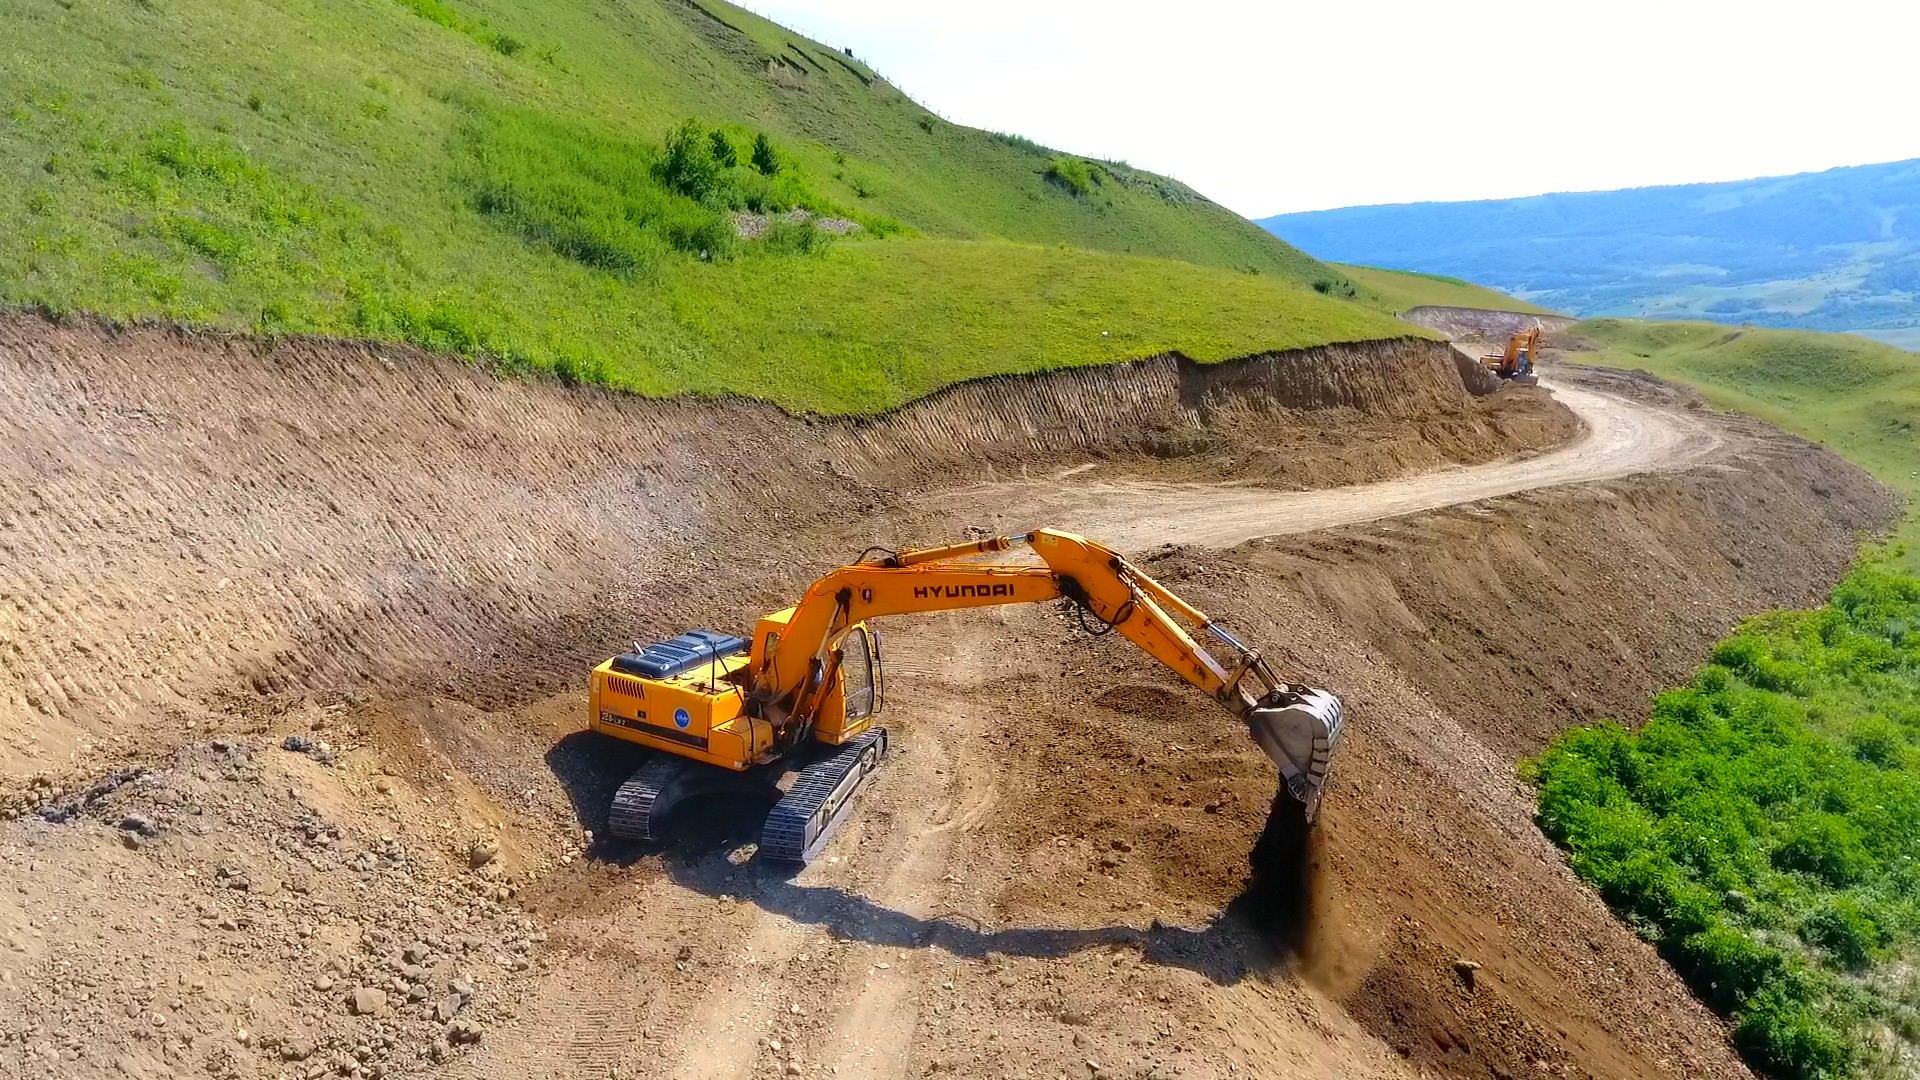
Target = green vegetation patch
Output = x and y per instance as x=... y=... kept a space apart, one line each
x=1073 y=174
x=445 y=14
x=623 y=205
x=1858 y=396
x=1763 y=828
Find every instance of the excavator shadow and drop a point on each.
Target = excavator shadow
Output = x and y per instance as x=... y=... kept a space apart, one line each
x=1256 y=933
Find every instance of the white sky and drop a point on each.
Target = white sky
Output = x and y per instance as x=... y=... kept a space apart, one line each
x=1305 y=105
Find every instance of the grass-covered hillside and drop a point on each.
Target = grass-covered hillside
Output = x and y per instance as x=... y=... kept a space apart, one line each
x=1857 y=396
x=1401 y=290
x=666 y=195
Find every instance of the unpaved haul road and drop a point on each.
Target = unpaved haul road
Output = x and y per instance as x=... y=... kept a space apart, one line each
x=1622 y=437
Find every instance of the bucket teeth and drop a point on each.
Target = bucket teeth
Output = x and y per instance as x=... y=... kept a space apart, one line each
x=1299 y=729
x=802 y=822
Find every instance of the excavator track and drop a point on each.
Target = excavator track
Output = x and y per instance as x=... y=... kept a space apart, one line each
x=817 y=805
x=645 y=798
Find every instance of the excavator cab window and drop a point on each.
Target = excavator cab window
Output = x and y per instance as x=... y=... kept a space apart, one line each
x=859 y=672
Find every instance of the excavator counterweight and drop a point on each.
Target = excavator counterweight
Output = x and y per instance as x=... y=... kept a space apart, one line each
x=728 y=712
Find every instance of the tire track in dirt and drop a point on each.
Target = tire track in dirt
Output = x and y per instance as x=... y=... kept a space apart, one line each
x=875 y=1033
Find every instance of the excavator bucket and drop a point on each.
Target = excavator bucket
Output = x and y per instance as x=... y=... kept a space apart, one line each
x=1299 y=728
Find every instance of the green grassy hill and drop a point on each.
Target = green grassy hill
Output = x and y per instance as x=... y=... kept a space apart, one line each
x=498 y=178
x=1857 y=396
x=1399 y=290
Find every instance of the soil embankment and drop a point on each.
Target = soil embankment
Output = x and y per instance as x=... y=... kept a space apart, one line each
x=1479 y=324
x=190 y=514
x=409 y=564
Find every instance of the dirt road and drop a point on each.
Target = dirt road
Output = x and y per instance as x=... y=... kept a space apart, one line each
x=1622 y=437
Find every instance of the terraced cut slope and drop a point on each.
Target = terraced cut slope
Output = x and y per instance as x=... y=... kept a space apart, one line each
x=300 y=629
x=663 y=195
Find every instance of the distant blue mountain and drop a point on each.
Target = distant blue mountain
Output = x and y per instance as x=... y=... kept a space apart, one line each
x=1835 y=250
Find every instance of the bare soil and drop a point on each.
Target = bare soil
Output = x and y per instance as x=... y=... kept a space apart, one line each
x=213 y=545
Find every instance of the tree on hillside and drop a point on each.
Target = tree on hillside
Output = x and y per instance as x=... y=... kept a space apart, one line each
x=765 y=158
x=723 y=152
x=688 y=166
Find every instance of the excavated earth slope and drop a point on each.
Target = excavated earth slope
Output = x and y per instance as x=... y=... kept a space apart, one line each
x=401 y=567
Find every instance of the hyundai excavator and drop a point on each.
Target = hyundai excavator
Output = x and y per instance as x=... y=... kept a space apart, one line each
x=729 y=713
x=1516 y=364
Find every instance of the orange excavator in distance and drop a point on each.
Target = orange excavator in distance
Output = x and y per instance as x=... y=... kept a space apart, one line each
x=805 y=692
x=1516 y=364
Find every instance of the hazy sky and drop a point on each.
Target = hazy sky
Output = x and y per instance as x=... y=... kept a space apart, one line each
x=1301 y=106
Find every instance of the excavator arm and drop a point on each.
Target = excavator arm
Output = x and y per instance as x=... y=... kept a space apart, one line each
x=1297 y=726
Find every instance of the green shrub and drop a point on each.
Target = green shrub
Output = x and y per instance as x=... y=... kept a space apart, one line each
x=797 y=238
x=1070 y=173
x=723 y=150
x=1018 y=142
x=1825 y=845
x=688 y=165
x=1787 y=1038
x=1727 y=966
x=1844 y=928
x=1878 y=741
x=766 y=160
x=619 y=205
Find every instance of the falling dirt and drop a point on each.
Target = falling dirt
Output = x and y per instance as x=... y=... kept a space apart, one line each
x=1071 y=866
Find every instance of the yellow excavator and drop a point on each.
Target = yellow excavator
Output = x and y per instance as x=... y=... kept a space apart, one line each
x=730 y=713
x=1516 y=364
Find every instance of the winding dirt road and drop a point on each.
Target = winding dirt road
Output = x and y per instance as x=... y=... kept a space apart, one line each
x=1622 y=437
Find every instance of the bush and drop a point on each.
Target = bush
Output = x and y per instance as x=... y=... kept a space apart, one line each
x=1727 y=966
x=797 y=238
x=724 y=154
x=1878 y=741
x=614 y=204
x=1071 y=174
x=688 y=166
x=1786 y=1038
x=1018 y=142
x=766 y=160
x=1825 y=845
x=1845 y=930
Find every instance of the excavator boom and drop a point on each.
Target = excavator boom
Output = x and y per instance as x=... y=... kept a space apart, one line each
x=792 y=688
